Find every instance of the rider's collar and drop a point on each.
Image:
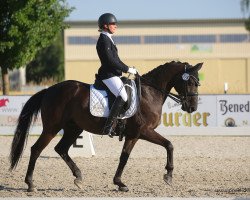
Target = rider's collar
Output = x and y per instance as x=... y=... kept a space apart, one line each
x=109 y=35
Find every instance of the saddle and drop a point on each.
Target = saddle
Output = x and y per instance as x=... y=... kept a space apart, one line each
x=101 y=99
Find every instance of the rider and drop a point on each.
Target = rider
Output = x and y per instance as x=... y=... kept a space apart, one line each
x=111 y=67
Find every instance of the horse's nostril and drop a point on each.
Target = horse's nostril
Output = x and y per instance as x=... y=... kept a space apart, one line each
x=192 y=109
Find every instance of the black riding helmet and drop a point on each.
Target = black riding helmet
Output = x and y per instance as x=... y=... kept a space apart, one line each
x=106 y=18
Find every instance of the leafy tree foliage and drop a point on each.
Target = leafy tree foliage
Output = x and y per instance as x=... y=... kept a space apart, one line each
x=26 y=27
x=48 y=64
x=245 y=7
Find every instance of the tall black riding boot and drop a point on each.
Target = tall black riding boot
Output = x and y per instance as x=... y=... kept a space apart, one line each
x=114 y=112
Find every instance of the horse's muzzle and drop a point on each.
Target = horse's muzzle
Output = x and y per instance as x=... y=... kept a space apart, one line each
x=191 y=109
x=188 y=108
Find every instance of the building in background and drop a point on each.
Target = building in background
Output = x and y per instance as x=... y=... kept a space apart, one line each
x=222 y=45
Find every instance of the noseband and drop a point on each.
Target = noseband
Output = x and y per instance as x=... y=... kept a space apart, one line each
x=182 y=97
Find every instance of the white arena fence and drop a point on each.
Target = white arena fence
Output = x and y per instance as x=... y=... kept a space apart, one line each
x=227 y=115
x=216 y=115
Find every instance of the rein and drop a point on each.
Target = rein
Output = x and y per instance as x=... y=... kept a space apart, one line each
x=178 y=98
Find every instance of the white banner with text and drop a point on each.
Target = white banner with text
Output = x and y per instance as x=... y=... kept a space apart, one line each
x=216 y=115
x=10 y=109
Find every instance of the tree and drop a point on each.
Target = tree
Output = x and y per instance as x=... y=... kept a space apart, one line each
x=48 y=63
x=245 y=7
x=26 y=27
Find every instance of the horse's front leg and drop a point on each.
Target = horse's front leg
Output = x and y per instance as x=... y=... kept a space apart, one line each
x=127 y=148
x=156 y=138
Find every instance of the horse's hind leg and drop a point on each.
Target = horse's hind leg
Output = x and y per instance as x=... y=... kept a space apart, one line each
x=156 y=138
x=71 y=132
x=36 y=150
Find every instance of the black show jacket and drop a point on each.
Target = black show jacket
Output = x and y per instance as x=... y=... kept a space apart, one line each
x=111 y=65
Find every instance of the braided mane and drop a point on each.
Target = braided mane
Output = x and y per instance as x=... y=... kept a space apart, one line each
x=154 y=73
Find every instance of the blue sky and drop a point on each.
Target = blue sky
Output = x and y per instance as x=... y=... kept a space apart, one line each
x=157 y=9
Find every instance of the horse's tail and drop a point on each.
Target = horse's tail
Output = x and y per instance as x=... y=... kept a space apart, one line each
x=29 y=112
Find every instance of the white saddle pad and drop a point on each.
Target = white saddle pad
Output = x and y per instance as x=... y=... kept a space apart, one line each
x=99 y=103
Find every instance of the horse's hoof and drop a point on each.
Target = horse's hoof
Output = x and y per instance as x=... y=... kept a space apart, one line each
x=124 y=189
x=167 y=179
x=78 y=183
x=32 y=189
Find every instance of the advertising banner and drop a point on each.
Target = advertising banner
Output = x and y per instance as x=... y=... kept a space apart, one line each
x=173 y=116
x=216 y=115
x=10 y=109
x=233 y=110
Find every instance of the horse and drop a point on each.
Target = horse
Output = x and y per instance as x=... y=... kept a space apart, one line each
x=67 y=103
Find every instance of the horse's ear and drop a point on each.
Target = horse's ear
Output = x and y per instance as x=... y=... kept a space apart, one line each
x=195 y=68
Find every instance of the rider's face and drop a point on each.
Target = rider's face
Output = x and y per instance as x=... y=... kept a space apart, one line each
x=112 y=27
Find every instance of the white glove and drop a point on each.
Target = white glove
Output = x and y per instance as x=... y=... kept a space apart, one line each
x=132 y=70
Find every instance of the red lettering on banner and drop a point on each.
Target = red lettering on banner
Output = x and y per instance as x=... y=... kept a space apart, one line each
x=3 y=102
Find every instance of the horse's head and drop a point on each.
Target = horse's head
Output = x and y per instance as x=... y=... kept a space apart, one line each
x=186 y=84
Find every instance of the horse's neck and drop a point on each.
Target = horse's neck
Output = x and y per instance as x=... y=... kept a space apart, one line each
x=166 y=79
x=163 y=81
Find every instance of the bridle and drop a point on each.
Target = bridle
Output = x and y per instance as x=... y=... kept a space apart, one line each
x=182 y=97
x=185 y=77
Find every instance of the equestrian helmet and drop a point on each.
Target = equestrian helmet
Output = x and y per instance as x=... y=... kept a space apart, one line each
x=106 y=18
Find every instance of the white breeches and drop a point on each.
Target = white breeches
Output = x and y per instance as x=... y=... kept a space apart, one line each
x=116 y=86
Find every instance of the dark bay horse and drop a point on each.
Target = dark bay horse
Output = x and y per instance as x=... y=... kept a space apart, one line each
x=66 y=106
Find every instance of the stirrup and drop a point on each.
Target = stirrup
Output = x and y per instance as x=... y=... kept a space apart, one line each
x=108 y=130
x=111 y=133
x=120 y=127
